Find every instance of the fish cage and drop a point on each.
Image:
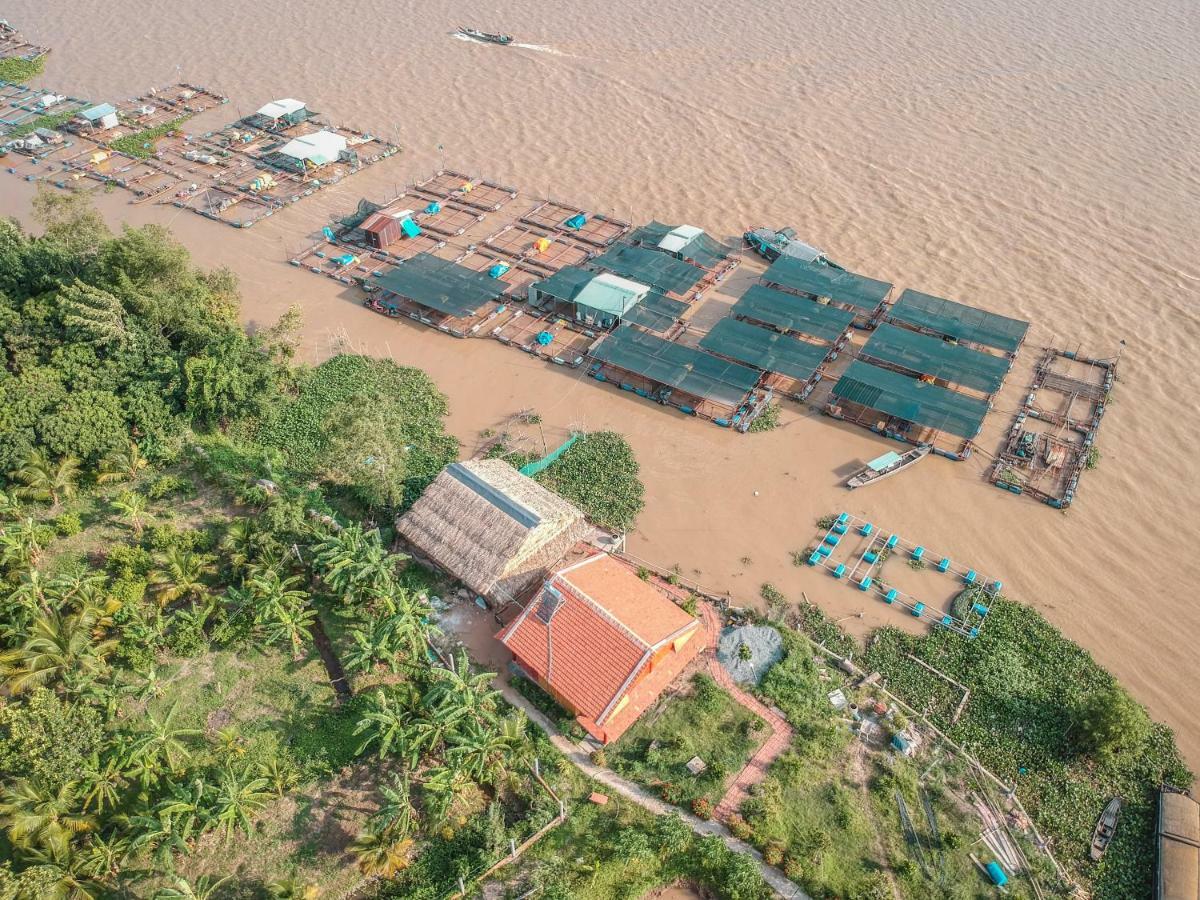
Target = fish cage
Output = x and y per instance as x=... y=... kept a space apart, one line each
x=1052 y=439
x=882 y=564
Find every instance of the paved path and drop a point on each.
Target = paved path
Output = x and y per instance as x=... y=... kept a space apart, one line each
x=783 y=886
x=781 y=732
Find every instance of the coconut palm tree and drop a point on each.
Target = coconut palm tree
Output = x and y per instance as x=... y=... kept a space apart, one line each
x=131 y=508
x=37 y=816
x=58 y=648
x=104 y=787
x=62 y=873
x=121 y=464
x=292 y=626
x=179 y=575
x=237 y=798
x=244 y=542
x=44 y=479
x=159 y=746
x=396 y=816
x=379 y=856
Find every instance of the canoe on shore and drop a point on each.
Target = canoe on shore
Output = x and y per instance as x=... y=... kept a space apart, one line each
x=888 y=464
x=1105 y=828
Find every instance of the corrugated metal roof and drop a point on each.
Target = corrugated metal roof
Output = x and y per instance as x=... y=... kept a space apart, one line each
x=611 y=294
x=277 y=108
x=678 y=238
x=98 y=111
x=319 y=148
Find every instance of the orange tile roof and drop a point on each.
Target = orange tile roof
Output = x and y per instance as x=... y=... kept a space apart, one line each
x=635 y=603
x=597 y=638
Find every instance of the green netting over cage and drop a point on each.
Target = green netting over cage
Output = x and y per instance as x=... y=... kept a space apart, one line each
x=365 y=209
x=764 y=304
x=657 y=311
x=441 y=285
x=685 y=241
x=956 y=320
x=686 y=368
x=763 y=349
x=652 y=267
x=911 y=400
x=825 y=281
x=929 y=355
x=564 y=285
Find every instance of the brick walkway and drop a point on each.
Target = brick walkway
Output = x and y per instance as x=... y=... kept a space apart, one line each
x=781 y=733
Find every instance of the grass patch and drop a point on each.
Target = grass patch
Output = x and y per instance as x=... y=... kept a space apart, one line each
x=18 y=71
x=141 y=144
x=705 y=722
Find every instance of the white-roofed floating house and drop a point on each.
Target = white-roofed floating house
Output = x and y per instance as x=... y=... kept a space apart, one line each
x=279 y=115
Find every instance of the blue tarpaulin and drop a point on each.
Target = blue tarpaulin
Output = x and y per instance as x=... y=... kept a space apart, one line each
x=409 y=227
x=576 y=221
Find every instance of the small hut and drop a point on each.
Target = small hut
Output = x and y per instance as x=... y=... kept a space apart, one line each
x=494 y=529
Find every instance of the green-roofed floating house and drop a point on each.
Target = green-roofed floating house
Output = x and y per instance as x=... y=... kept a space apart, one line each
x=689 y=244
x=863 y=296
x=908 y=409
x=439 y=293
x=600 y=301
x=690 y=379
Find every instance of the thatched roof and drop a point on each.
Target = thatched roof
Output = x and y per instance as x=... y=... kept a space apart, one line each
x=484 y=522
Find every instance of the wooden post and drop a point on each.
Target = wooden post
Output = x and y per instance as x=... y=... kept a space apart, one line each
x=512 y=848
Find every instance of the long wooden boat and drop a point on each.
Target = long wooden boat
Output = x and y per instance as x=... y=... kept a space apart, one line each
x=488 y=36
x=886 y=466
x=1105 y=828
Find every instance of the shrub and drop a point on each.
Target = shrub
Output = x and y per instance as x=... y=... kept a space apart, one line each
x=68 y=524
x=773 y=853
x=739 y=827
x=793 y=868
x=767 y=420
x=599 y=474
x=826 y=522
x=598 y=758
x=701 y=808
x=167 y=485
x=691 y=605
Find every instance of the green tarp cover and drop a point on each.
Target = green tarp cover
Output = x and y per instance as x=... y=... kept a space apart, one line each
x=686 y=368
x=652 y=267
x=914 y=401
x=929 y=355
x=794 y=313
x=763 y=349
x=365 y=208
x=565 y=284
x=825 y=281
x=656 y=312
x=441 y=284
x=704 y=249
x=965 y=323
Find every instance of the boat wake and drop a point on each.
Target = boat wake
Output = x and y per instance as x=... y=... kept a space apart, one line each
x=540 y=49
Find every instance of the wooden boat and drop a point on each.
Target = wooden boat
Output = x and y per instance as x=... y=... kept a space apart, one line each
x=1105 y=828
x=488 y=36
x=888 y=464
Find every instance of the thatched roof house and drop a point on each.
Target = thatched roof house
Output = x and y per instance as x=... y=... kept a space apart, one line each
x=492 y=528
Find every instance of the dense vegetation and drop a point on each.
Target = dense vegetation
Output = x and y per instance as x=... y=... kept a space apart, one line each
x=175 y=720
x=141 y=143
x=18 y=70
x=1045 y=717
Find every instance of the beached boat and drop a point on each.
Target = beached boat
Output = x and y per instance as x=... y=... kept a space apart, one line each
x=488 y=36
x=888 y=464
x=1105 y=828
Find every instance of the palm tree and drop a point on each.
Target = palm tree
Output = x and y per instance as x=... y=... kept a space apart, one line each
x=355 y=564
x=79 y=585
x=102 y=859
x=204 y=888
x=105 y=786
x=131 y=507
x=36 y=816
x=483 y=750
x=244 y=542
x=21 y=545
x=455 y=694
x=396 y=816
x=282 y=608
x=441 y=787
x=121 y=464
x=160 y=745
x=58 y=648
x=180 y=575
x=44 y=479
x=62 y=874
x=386 y=724
x=294 y=626
x=184 y=815
x=238 y=796
x=379 y=856
x=279 y=776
